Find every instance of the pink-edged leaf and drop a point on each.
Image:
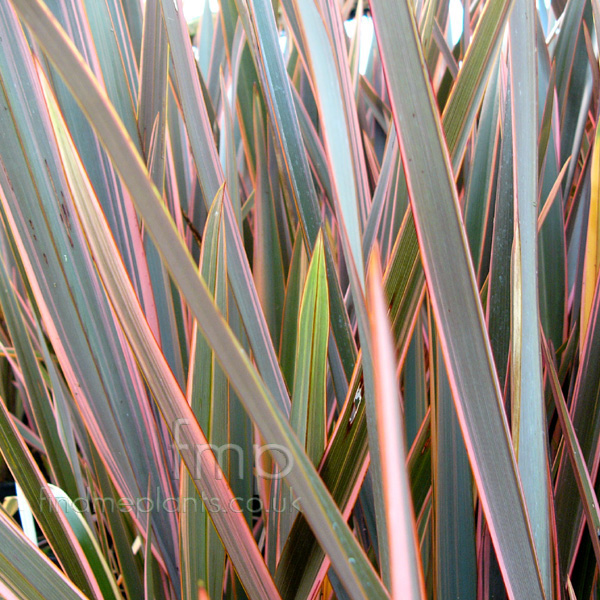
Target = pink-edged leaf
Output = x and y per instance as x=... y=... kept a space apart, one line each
x=405 y=570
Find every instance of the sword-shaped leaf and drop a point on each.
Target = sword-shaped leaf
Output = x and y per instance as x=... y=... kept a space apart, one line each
x=454 y=296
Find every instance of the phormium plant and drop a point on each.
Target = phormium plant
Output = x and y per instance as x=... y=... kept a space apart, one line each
x=299 y=300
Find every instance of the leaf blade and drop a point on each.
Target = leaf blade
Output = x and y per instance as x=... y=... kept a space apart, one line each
x=454 y=297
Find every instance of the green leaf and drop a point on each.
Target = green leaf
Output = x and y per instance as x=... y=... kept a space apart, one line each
x=343 y=469
x=151 y=115
x=308 y=399
x=35 y=388
x=329 y=95
x=115 y=54
x=32 y=576
x=415 y=385
x=499 y=290
x=293 y=295
x=461 y=109
x=580 y=470
x=121 y=534
x=528 y=409
x=344 y=464
x=261 y=31
x=455 y=552
x=106 y=385
x=268 y=262
x=324 y=517
x=211 y=178
x=203 y=556
x=586 y=422
x=117 y=206
x=308 y=416
x=88 y=542
x=51 y=520
x=552 y=250
x=454 y=295
x=179 y=418
x=478 y=197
